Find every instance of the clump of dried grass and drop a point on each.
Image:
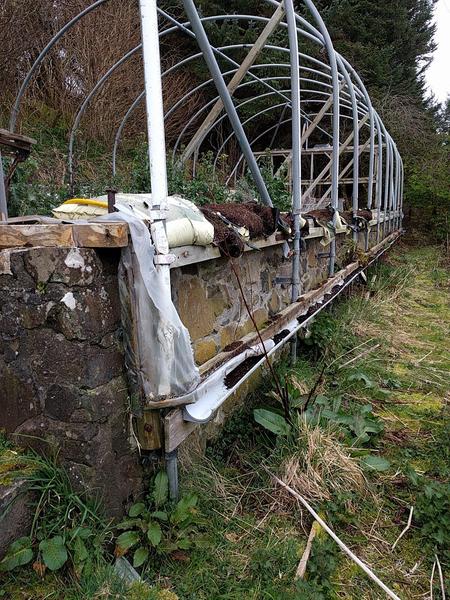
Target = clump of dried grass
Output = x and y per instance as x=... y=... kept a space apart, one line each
x=321 y=467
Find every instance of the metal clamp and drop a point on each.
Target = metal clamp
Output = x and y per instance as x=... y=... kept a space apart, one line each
x=164 y=259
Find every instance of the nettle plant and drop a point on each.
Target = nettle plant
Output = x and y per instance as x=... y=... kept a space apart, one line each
x=157 y=527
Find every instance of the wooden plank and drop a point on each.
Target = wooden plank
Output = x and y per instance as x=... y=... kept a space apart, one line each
x=248 y=61
x=341 y=150
x=86 y=235
x=101 y=235
x=176 y=430
x=13 y=143
x=16 y=236
x=306 y=151
x=149 y=430
x=7 y=135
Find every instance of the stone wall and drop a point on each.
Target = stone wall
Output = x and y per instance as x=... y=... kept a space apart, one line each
x=61 y=364
x=62 y=368
x=210 y=304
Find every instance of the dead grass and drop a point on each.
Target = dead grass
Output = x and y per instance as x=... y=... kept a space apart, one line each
x=322 y=466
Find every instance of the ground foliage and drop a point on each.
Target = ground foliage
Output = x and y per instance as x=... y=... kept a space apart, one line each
x=371 y=441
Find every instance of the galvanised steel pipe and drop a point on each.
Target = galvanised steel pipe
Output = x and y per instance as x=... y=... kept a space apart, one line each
x=179 y=25
x=229 y=107
x=120 y=129
x=261 y=135
x=335 y=152
x=296 y=147
x=258 y=66
x=355 y=120
x=264 y=111
x=42 y=55
x=343 y=104
x=345 y=64
x=210 y=103
x=221 y=17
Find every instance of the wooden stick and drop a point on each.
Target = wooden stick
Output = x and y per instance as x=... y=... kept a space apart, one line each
x=338 y=541
x=431 y=580
x=366 y=351
x=441 y=576
x=301 y=569
x=408 y=525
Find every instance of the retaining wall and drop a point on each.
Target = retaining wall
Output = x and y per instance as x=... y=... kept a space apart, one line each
x=61 y=363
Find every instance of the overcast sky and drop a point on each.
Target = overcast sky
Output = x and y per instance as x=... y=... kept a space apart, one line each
x=438 y=73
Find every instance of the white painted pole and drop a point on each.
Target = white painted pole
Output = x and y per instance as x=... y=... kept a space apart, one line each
x=154 y=102
x=156 y=135
x=158 y=166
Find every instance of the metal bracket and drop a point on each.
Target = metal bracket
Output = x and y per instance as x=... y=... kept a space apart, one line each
x=323 y=255
x=164 y=259
x=282 y=280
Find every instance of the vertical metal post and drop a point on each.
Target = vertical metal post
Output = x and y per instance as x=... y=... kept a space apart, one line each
x=111 y=199
x=211 y=62
x=156 y=132
x=3 y=204
x=296 y=143
x=171 y=459
x=335 y=121
x=296 y=153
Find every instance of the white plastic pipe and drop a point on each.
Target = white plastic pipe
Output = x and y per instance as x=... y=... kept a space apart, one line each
x=155 y=128
x=154 y=102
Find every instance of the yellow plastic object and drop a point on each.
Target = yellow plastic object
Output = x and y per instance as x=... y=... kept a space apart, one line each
x=87 y=202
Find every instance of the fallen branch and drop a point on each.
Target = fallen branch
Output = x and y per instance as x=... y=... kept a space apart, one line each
x=431 y=580
x=408 y=525
x=366 y=351
x=441 y=577
x=301 y=569
x=331 y=533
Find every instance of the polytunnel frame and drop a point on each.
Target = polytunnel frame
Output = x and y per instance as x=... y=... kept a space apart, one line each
x=389 y=194
x=320 y=34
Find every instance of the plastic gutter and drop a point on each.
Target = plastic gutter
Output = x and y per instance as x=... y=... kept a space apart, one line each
x=212 y=392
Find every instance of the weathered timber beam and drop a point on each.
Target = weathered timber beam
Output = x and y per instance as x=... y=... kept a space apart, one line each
x=347 y=168
x=237 y=78
x=13 y=142
x=314 y=123
x=82 y=235
x=327 y=168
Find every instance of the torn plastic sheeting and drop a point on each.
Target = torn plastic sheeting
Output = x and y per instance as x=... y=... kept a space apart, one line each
x=163 y=362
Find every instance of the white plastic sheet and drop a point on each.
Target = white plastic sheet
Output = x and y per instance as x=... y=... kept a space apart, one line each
x=164 y=364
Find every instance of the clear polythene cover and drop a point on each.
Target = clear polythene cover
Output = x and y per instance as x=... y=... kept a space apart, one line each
x=157 y=344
